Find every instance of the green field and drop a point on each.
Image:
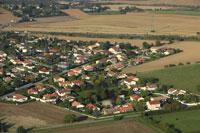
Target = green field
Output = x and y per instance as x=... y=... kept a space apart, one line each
x=188 y=121
x=191 y=13
x=183 y=77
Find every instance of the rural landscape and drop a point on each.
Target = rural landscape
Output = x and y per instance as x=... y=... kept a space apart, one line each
x=100 y=66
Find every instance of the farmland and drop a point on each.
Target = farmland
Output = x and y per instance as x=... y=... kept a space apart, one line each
x=131 y=23
x=127 y=126
x=35 y=114
x=182 y=77
x=187 y=121
x=6 y=16
x=190 y=54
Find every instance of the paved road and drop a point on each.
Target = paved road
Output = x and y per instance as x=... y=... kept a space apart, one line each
x=83 y=123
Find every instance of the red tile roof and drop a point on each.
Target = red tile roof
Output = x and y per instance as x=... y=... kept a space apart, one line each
x=91 y=106
x=50 y=95
x=154 y=102
x=124 y=109
x=19 y=96
x=31 y=91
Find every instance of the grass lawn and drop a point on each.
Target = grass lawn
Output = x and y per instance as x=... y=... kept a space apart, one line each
x=191 y=13
x=183 y=77
x=188 y=121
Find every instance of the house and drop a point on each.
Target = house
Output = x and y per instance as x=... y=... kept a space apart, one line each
x=122 y=57
x=65 y=84
x=126 y=109
x=3 y=54
x=135 y=97
x=1 y=70
x=78 y=70
x=155 y=50
x=138 y=61
x=111 y=74
x=171 y=91
x=19 y=98
x=92 y=106
x=58 y=79
x=101 y=61
x=44 y=71
x=92 y=47
x=112 y=60
x=133 y=78
x=40 y=50
x=121 y=76
x=77 y=82
x=40 y=88
x=110 y=111
x=129 y=82
x=161 y=98
x=63 y=92
x=77 y=105
x=72 y=73
x=89 y=67
x=114 y=50
x=80 y=60
x=152 y=87
x=85 y=77
x=32 y=91
x=68 y=98
x=50 y=96
x=153 y=105
x=63 y=65
x=169 y=52
x=54 y=50
x=116 y=66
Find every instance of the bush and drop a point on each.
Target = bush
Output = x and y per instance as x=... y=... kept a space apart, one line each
x=70 y=118
x=118 y=117
x=172 y=65
x=20 y=129
x=188 y=63
x=180 y=64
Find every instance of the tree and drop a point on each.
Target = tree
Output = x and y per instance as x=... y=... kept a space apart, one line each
x=118 y=101
x=117 y=117
x=146 y=45
x=70 y=118
x=158 y=43
x=20 y=129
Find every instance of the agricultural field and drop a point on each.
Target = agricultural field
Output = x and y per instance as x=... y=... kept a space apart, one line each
x=126 y=126
x=7 y=16
x=131 y=23
x=155 y=2
x=182 y=77
x=30 y=115
x=75 y=13
x=187 y=121
x=190 y=54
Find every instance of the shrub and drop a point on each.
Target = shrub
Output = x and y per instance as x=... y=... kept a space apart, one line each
x=70 y=118
x=118 y=117
x=20 y=129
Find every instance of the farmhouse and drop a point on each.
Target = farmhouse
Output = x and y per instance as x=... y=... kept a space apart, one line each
x=50 y=96
x=65 y=84
x=92 y=106
x=40 y=88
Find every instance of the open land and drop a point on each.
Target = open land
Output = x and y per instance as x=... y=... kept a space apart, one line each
x=187 y=121
x=181 y=77
x=30 y=115
x=190 y=54
x=6 y=16
x=131 y=23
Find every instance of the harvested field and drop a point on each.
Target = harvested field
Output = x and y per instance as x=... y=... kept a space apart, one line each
x=190 y=54
x=156 y=2
x=135 y=42
x=124 y=126
x=131 y=23
x=6 y=16
x=53 y=19
x=34 y=114
x=75 y=13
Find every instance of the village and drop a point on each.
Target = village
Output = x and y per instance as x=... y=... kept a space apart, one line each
x=82 y=76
